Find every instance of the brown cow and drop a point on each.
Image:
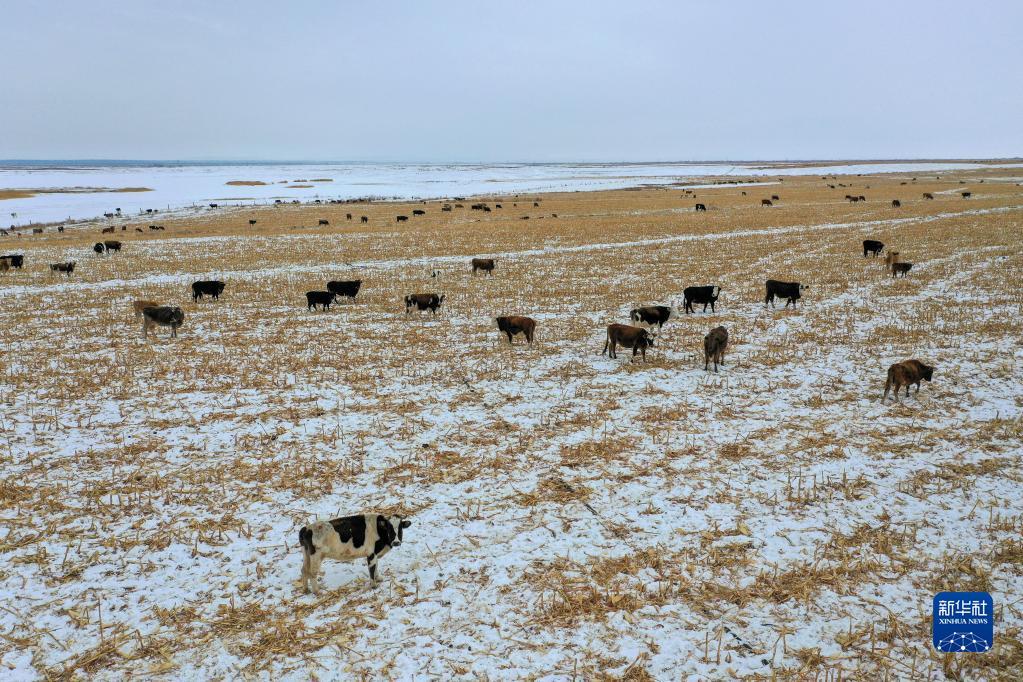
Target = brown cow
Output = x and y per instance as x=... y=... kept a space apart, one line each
x=636 y=338
x=891 y=258
x=714 y=345
x=517 y=324
x=484 y=264
x=107 y=230
x=423 y=302
x=902 y=268
x=766 y=202
x=928 y=195
x=905 y=373
x=139 y=306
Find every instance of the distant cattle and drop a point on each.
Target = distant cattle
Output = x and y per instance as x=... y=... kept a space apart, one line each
x=707 y=295
x=418 y=211
x=445 y=209
x=906 y=373
x=139 y=306
x=714 y=345
x=252 y=222
x=37 y=230
x=787 y=290
x=66 y=268
x=862 y=198
x=896 y=203
x=486 y=209
x=364 y=219
x=901 y=269
x=967 y=195
x=5 y=264
x=319 y=298
x=162 y=316
x=213 y=205
x=517 y=324
x=636 y=338
x=536 y=204
x=107 y=230
x=344 y=539
x=60 y=228
x=892 y=257
x=498 y=206
x=112 y=245
x=484 y=264
x=701 y=207
x=872 y=246
x=401 y=218
x=476 y=207
x=429 y=302
x=325 y=222
x=16 y=260
x=775 y=197
x=347 y=288
x=98 y=247
x=928 y=195
x=348 y=216
x=766 y=202
x=651 y=315
x=203 y=288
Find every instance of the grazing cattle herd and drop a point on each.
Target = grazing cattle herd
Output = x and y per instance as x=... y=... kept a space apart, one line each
x=371 y=536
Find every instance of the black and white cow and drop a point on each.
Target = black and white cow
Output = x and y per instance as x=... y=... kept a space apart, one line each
x=345 y=539
x=651 y=315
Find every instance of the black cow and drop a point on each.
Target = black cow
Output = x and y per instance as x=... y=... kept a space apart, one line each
x=651 y=315
x=344 y=539
x=928 y=195
x=418 y=212
x=66 y=268
x=901 y=268
x=364 y=219
x=319 y=298
x=706 y=295
x=348 y=216
x=766 y=202
x=98 y=247
x=787 y=290
x=967 y=195
x=163 y=316
x=252 y=222
x=701 y=207
x=112 y=245
x=402 y=218
x=213 y=205
x=775 y=197
x=872 y=246
x=429 y=302
x=15 y=259
x=347 y=289
x=207 y=288
x=326 y=222
x=896 y=203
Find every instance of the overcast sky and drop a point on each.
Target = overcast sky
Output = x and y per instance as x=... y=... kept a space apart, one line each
x=490 y=81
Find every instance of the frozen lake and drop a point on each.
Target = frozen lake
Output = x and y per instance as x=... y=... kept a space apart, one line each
x=178 y=185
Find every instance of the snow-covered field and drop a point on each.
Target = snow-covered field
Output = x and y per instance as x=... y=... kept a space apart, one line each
x=573 y=516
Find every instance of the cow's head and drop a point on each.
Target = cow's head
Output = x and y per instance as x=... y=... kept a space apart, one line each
x=634 y=315
x=441 y=299
x=716 y=292
x=408 y=301
x=647 y=338
x=393 y=530
x=928 y=372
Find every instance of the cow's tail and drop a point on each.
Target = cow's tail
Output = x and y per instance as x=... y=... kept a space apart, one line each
x=606 y=345
x=887 y=385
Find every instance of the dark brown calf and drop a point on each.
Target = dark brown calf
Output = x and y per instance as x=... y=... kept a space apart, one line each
x=902 y=268
x=906 y=373
x=484 y=264
x=623 y=335
x=517 y=324
x=714 y=345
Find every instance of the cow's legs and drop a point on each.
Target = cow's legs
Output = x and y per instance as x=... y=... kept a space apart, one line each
x=371 y=560
x=313 y=574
